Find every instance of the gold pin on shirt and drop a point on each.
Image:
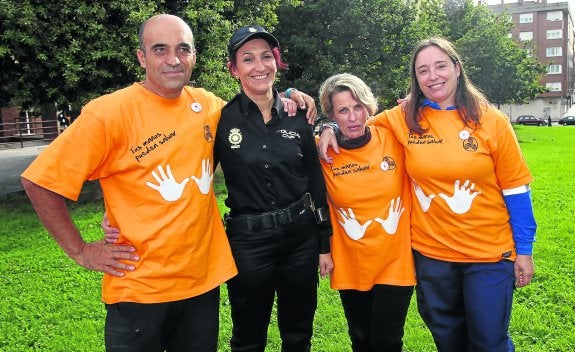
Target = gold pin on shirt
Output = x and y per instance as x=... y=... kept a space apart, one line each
x=208 y=136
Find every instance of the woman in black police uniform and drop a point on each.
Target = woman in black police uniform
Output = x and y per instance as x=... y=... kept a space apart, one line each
x=274 y=180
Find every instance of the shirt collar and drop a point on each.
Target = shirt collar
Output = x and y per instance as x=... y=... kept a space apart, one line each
x=434 y=105
x=247 y=105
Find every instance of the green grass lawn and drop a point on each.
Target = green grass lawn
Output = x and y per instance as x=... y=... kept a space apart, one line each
x=48 y=303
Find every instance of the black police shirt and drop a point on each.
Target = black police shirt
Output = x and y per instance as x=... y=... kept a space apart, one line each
x=266 y=166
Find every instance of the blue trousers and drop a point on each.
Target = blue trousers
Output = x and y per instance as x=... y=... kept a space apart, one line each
x=466 y=306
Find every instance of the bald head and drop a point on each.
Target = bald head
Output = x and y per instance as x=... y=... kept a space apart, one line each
x=167 y=54
x=161 y=19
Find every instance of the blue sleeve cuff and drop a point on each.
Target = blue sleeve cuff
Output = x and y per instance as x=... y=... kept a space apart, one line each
x=522 y=221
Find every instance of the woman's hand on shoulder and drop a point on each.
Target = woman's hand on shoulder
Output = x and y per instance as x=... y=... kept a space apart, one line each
x=303 y=102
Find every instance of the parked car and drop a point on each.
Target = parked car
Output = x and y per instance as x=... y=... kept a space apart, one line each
x=567 y=120
x=530 y=120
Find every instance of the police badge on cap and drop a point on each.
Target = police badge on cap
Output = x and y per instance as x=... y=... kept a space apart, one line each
x=244 y=34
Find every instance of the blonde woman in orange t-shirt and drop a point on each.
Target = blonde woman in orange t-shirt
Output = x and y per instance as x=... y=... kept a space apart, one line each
x=369 y=201
x=472 y=223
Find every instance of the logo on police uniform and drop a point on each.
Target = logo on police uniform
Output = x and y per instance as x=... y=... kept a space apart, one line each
x=235 y=138
x=288 y=134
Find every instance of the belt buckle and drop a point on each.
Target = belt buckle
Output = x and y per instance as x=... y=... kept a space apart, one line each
x=284 y=216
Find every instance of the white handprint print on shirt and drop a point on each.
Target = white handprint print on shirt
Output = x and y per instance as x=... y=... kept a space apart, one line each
x=205 y=181
x=169 y=189
x=352 y=227
x=424 y=201
x=460 y=202
x=395 y=211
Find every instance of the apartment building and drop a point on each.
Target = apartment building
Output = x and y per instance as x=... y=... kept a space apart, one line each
x=547 y=28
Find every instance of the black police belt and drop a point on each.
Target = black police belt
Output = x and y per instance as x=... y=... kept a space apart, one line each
x=270 y=219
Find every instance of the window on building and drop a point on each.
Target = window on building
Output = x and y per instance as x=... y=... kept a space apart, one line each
x=554 y=69
x=526 y=18
x=554 y=16
x=554 y=86
x=524 y=36
x=554 y=51
x=554 y=34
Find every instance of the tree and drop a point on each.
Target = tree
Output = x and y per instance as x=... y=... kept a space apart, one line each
x=214 y=22
x=371 y=39
x=494 y=62
x=432 y=19
x=69 y=51
x=66 y=52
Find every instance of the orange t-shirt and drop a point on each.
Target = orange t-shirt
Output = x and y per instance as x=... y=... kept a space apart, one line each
x=132 y=141
x=361 y=184
x=458 y=175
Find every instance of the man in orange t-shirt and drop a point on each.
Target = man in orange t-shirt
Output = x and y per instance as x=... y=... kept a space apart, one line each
x=150 y=145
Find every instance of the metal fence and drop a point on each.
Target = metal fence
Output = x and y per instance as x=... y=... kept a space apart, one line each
x=24 y=130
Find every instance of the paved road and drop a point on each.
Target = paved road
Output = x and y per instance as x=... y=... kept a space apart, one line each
x=12 y=163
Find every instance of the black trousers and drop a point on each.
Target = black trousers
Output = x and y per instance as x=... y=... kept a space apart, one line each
x=281 y=260
x=189 y=325
x=376 y=317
